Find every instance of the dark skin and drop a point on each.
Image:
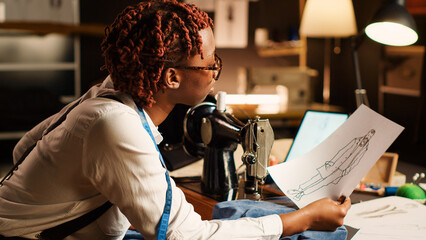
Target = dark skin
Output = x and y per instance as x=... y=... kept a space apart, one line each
x=185 y=86
x=191 y=87
x=324 y=214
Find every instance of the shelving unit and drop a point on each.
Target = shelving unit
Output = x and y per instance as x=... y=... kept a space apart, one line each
x=297 y=79
x=48 y=27
x=285 y=51
x=275 y=52
x=298 y=49
x=400 y=72
x=28 y=63
x=29 y=60
x=43 y=54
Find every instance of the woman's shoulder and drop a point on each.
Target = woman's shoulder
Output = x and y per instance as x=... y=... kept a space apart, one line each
x=100 y=110
x=101 y=107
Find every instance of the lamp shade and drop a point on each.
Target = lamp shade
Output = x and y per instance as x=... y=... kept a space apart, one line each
x=393 y=25
x=328 y=18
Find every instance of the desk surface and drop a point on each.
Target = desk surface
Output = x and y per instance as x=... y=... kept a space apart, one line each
x=204 y=204
x=292 y=112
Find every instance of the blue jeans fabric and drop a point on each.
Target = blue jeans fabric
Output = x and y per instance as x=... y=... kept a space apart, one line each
x=231 y=210
x=133 y=235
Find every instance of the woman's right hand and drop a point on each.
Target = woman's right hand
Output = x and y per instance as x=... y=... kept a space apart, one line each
x=324 y=214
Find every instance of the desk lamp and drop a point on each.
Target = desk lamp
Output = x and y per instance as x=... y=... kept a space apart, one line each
x=328 y=19
x=391 y=25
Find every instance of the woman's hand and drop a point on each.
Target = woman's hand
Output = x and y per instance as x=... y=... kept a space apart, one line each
x=324 y=214
x=327 y=214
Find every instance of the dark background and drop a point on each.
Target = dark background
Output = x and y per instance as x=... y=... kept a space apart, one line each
x=279 y=16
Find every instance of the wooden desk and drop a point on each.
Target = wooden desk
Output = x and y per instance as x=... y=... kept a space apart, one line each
x=203 y=205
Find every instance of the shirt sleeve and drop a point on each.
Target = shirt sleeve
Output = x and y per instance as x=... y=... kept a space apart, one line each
x=122 y=162
x=30 y=138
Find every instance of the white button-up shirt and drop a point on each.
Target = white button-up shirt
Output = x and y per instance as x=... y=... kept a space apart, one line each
x=102 y=152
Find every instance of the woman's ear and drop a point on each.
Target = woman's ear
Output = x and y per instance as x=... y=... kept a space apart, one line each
x=172 y=78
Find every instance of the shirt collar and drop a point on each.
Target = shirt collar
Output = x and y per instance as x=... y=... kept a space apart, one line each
x=108 y=84
x=157 y=135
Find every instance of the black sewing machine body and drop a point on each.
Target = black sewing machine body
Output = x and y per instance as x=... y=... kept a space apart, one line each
x=214 y=135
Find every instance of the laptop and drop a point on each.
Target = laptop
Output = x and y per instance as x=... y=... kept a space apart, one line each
x=315 y=127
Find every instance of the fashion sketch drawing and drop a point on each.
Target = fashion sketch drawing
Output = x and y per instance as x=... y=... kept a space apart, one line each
x=332 y=171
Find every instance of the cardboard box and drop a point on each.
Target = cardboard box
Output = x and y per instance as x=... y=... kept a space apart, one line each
x=381 y=175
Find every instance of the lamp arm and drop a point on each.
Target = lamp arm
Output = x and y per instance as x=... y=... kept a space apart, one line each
x=355 y=47
x=360 y=93
x=358 y=39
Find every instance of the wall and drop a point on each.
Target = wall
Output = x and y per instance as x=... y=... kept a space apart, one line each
x=103 y=12
x=278 y=16
x=275 y=15
x=401 y=109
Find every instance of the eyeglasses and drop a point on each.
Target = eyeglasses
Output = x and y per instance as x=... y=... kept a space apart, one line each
x=217 y=68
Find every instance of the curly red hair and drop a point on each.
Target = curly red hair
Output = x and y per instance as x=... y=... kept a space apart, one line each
x=147 y=37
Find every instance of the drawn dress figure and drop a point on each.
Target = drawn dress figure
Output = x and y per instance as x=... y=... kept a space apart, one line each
x=339 y=166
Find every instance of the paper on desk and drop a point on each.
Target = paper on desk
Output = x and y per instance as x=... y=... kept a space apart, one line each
x=194 y=169
x=388 y=218
x=337 y=164
x=423 y=185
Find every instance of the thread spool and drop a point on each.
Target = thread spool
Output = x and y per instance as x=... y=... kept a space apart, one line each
x=261 y=36
x=412 y=191
x=221 y=101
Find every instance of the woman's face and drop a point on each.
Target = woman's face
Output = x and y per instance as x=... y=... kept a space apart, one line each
x=197 y=84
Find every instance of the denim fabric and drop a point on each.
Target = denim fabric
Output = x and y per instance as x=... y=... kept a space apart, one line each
x=231 y=210
x=133 y=235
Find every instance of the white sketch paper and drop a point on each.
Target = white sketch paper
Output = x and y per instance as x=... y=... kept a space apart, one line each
x=388 y=218
x=337 y=164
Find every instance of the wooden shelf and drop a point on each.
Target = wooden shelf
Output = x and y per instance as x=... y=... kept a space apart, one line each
x=400 y=72
x=47 y=27
x=30 y=29
x=283 y=49
x=36 y=66
x=276 y=52
x=416 y=7
x=400 y=91
x=406 y=50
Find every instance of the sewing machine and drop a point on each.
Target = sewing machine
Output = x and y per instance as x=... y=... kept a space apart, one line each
x=212 y=133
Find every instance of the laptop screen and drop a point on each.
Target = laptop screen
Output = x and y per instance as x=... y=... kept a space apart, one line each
x=315 y=127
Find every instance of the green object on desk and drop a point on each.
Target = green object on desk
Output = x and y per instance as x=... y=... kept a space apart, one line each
x=412 y=191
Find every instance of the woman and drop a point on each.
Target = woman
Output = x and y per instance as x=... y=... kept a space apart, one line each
x=101 y=147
